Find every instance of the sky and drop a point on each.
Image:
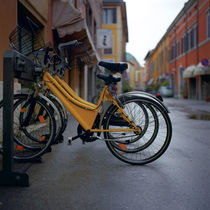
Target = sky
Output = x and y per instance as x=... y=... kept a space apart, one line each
x=148 y=20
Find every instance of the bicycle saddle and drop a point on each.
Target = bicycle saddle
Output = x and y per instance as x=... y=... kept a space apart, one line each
x=114 y=67
x=108 y=79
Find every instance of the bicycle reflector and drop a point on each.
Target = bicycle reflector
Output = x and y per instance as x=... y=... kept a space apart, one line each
x=23 y=109
x=19 y=148
x=42 y=138
x=41 y=119
x=123 y=146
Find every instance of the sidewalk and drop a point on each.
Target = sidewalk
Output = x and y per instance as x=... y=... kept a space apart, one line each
x=188 y=104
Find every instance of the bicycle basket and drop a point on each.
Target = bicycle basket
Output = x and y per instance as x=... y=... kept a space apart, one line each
x=26 y=41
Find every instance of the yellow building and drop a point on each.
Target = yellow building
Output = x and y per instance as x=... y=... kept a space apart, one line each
x=135 y=74
x=115 y=25
x=113 y=36
x=157 y=62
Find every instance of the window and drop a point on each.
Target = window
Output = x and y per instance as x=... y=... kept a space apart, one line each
x=28 y=34
x=136 y=76
x=108 y=51
x=196 y=34
x=186 y=42
x=177 y=48
x=208 y=24
x=169 y=55
x=174 y=51
x=109 y=16
x=192 y=39
x=182 y=45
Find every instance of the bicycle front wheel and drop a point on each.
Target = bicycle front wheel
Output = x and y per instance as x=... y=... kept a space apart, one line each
x=142 y=148
x=34 y=128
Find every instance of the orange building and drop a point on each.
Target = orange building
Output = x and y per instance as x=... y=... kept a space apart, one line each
x=59 y=21
x=189 y=53
x=187 y=64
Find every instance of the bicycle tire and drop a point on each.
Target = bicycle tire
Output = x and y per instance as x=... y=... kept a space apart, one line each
x=62 y=111
x=57 y=114
x=150 y=125
x=150 y=152
x=26 y=148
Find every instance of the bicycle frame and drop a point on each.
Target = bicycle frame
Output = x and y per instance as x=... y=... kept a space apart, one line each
x=85 y=112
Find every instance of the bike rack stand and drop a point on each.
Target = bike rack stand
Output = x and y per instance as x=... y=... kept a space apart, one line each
x=16 y=65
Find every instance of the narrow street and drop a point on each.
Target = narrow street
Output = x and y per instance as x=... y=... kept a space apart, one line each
x=89 y=177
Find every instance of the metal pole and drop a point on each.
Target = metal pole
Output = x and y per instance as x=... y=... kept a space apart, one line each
x=7 y=176
x=8 y=87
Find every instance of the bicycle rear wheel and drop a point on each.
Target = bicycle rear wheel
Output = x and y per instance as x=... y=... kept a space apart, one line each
x=141 y=148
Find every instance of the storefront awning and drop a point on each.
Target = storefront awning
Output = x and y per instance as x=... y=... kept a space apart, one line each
x=189 y=71
x=201 y=70
x=70 y=25
x=66 y=19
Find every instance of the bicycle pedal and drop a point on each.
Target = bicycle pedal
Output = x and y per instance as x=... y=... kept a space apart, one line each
x=69 y=140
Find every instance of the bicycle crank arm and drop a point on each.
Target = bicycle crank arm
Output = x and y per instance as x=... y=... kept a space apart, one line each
x=70 y=138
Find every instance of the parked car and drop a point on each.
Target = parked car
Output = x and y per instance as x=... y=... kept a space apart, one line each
x=165 y=91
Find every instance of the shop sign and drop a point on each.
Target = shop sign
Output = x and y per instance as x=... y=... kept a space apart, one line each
x=104 y=38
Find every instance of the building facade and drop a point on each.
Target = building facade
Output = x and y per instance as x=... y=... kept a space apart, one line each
x=135 y=74
x=59 y=21
x=13 y=13
x=115 y=25
x=79 y=20
x=185 y=60
x=114 y=34
x=189 y=48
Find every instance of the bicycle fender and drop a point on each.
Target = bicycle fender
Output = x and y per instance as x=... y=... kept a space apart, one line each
x=46 y=99
x=58 y=101
x=145 y=97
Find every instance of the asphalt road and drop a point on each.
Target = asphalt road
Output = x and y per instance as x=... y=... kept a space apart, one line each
x=89 y=177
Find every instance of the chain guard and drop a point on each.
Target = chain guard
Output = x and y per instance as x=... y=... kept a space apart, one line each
x=86 y=135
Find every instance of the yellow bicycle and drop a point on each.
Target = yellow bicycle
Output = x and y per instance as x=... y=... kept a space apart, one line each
x=136 y=126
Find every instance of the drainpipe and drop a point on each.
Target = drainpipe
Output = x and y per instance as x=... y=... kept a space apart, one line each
x=49 y=23
x=175 y=64
x=86 y=82
x=198 y=78
x=186 y=64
